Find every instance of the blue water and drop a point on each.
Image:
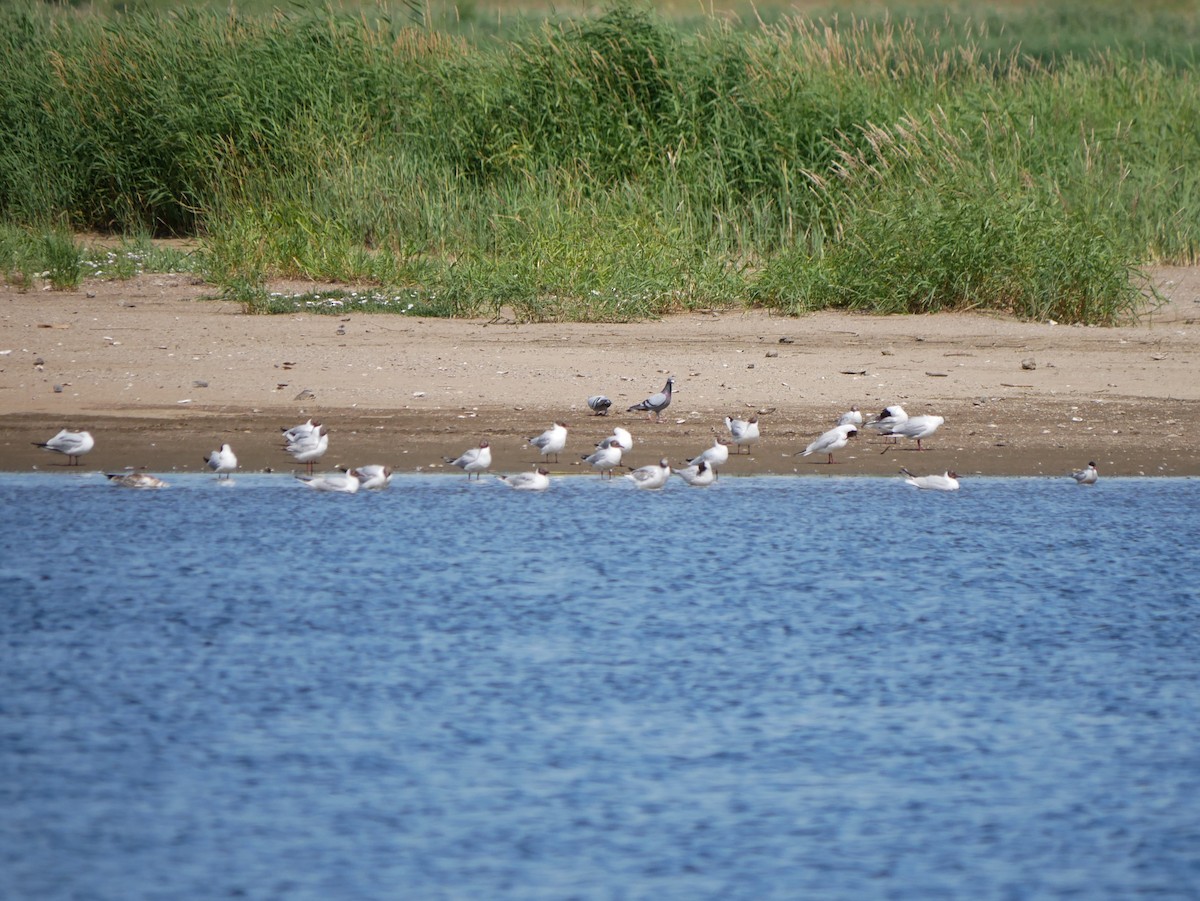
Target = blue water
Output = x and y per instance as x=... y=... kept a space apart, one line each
x=775 y=688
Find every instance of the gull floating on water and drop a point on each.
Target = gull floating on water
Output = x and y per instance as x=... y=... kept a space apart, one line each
x=833 y=440
x=656 y=403
x=551 y=441
x=715 y=456
x=1086 y=476
x=73 y=444
x=343 y=482
x=141 y=480
x=918 y=427
x=536 y=480
x=698 y=475
x=373 y=476
x=599 y=404
x=606 y=458
x=651 y=476
x=946 y=482
x=474 y=461
x=310 y=449
x=221 y=461
x=743 y=432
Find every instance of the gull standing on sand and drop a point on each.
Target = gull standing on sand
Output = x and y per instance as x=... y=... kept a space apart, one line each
x=475 y=461
x=851 y=417
x=536 y=480
x=946 y=482
x=73 y=444
x=918 y=427
x=698 y=476
x=140 y=480
x=304 y=430
x=651 y=477
x=656 y=403
x=833 y=440
x=342 y=482
x=551 y=441
x=888 y=420
x=310 y=449
x=373 y=476
x=606 y=458
x=1086 y=476
x=599 y=404
x=715 y=456
x=221 y=461
x=620 y=437
x=743 y=432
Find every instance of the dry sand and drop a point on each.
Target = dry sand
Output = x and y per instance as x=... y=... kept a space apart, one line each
x=160 y=373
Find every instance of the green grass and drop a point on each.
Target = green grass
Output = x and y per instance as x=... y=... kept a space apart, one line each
x=616 y=164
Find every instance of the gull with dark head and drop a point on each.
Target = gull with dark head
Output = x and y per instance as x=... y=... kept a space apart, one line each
x=373 y=476
x=536 y=480
x=221 y=461
x=698 y=475
x=651 y=477
x=743 y=432
x=1087 y=476
x=551 y=441
x=473 y=461
x=310 y=448
x=948 y=481
x=338 y=482
x=606 y=458
x=833 y=440
x=715 y=456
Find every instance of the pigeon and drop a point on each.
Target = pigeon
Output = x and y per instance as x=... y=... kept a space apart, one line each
x=698 y=475
x=141 y=480
x=473 y=461
x=743 y=432
x=310 y=449
x=537 y=480
x=73 y=444
x=835 y=439
x=656 y=403
x=373 y=476
x=716 y=456
x=1086 y=476
x=221 y=461
x=945 y=482
x=918 y=427
x=651 y=477
x=551 y=441
x=599 y=404
x=341 y=482
x=605 y=459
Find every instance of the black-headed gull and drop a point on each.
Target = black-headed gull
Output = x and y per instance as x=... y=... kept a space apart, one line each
x=373 y=476
x=715 y=456
x=551 y=441
x=605 y=459
x=620 y=437
x=651 y=476
x=310 y=449
x=73 y=444
x=656 y=403
x=343 y=482
x=945 y=482
x=851 y=417
x=888 y=419
x=698 y=476
x=918 y=427
x=1086 y=476
x=536 y=480
x=833 y=440
x=599 y=404
x=474 y=461
x=141 y=480
x=743 y=432
x=302 y=431
x=221 y=461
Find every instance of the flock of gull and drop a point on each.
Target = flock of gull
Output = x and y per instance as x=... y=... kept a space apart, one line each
x=308 y=442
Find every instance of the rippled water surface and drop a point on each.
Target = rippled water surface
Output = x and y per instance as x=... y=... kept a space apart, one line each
x=776 y=688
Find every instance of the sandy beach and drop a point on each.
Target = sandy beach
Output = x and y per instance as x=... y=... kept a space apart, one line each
x=161 y=373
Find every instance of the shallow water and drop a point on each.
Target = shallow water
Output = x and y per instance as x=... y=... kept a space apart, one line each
x=775 y=688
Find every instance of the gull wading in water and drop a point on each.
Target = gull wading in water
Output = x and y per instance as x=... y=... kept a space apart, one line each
x=1086 y=476
x=309 y=449
x=373 y=476
x=342 y=482
x=536 y=480
x=918 y=427
x=73 y=444
x=651 y=476
x=474 y=461
x=599 y=404
x=946 y=482
x=656 y=403
x=140 y=480
x=551 y=441
x=833 y=440
x=698 y=476
x=221 y=461
x=606 y=458
x=743 y=432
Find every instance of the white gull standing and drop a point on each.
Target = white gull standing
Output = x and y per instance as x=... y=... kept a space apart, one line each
x=551 y=441
x=887 y=420
x=945 y=482
x=310 y=449
x=715 y=456
x=851 y=417
x=73 y=444
x=918 y=427
x=620 y=437
x=221 y=461
x=606 y=458
x=833 y=440
x=474 y=461
x=743 y=432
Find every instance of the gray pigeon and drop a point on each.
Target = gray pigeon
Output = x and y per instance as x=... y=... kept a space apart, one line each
x=599 y=404
x=656 y=403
